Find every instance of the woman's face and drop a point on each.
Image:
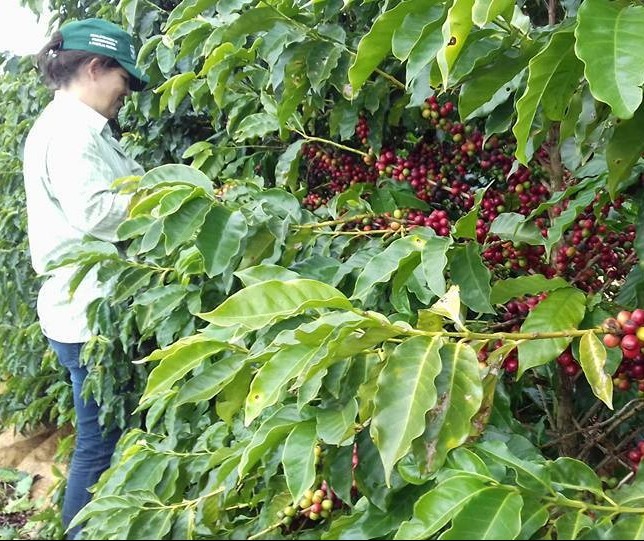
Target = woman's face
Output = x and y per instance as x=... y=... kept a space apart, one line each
x=103 y=88
x=112 y=85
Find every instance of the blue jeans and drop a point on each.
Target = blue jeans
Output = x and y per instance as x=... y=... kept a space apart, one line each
x=93 y=450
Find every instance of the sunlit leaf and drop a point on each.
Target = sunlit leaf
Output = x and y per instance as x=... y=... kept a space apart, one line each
x=399 y=418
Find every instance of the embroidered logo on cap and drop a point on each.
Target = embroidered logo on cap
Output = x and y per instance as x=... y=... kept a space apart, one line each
x=132 y=52
x=99 y=40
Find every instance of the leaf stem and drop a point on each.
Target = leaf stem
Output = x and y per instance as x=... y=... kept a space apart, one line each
x=187 y=503
x=345 y=219
x=329 y=142
x=467 y=335
x=259 y=535
x=610 y=509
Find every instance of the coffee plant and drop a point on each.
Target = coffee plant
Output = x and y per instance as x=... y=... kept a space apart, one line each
x=381 y=278
x=32 y=385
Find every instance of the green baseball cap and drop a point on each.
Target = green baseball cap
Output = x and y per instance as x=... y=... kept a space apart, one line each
x=107 y=39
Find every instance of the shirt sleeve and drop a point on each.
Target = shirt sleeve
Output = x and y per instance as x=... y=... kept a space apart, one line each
x=81 y=179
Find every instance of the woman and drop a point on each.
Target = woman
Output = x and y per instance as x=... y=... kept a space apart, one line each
x=70 y=163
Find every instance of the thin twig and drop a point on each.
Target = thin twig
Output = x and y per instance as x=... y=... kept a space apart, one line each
x=329 y=142
x=272 y=527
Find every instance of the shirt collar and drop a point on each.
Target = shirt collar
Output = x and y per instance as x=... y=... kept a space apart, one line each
x=79 y=110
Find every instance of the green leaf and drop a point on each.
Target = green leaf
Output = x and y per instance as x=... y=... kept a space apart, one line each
x=455 y=30
x=556 y=56
x=592 y=358
x=399 y=418
x=481 y=45
x=256 y=125
x=624 y=150
x=286 y=170
x=382 y=266
x=218 y=54
x=156 y=304
x=610 y=43
x=334 y=426
x=466 y=460
x=402 y=283
x=632 y=291
x=134 y=227
x=568 y=216
x=492 y=84
x=220 y=238
x=176 y=174
x=366 y=521
x=268 y=436
x=190 y=261
x=424 y=52
x=209 y=382
x=434 y=261
x=151 y=524
x=295 y=84
x=165 y=56
x=627 y=526
x=567 y=81
x=500 y=119
x=152 y=237
x=86 y=252
x=232 y=394
x=404 y=197
x=512 y=288
x=534 y=515
x=515 y=227
x=321 y=60
x=343 y=118
x=529 y=475
x=143 y=203
x=449 y=306
x=260 y=305
x=298 y=459
x=252 y=21
x=562 y=310
x=174 y=90
x=351 y=338
x=181 y=226
x=485 y=11
x=570 y=473
x=273 y=376
x=177 y=360
x=173 y=200
x=409 y=33
x=106 y=504
x=629 y=495
x=262 y=273
x=184 y=523
x=185 y=10
x=572 y=523
x=376 y=44
x=472 y=277
x=437 y=507
x=460 y=393
x=494 y=513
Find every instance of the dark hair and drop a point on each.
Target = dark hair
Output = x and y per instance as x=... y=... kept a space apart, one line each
x=59 y=67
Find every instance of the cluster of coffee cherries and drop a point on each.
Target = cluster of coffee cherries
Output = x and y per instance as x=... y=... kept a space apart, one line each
x=510 y=362
x=445 y=166
x=626 y=331
x=316 y=504
x=568 y=363
x=635 y=455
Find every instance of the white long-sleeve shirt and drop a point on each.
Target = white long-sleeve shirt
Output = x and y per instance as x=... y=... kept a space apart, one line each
x=70 y=163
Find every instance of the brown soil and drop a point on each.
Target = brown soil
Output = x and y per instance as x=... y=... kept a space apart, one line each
x=33 y=453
